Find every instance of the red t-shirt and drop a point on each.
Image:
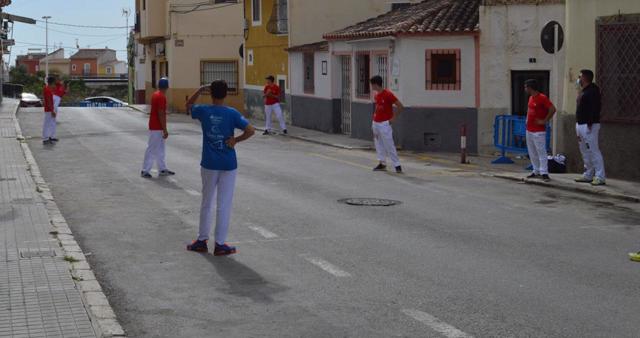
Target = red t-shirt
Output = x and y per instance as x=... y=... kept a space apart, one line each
x=384 y=106
x=47 y=95
x=60 y=90
x=158 y=105
x=538 y=110
x=275 y=90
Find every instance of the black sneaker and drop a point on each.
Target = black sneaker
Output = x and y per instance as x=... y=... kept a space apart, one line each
x=167 y=172
x=546 y=178
x=145 y=174
x=399 y=170
x=266 y=132
x=53 y=139
x=284 y=132
x=533 y=176
x=380 y=167
x=46 y=142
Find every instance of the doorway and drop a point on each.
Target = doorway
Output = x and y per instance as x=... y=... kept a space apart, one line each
x=519 y=98
x=345 y=94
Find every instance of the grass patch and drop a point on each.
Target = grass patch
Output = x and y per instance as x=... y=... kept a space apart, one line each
x=70 y=259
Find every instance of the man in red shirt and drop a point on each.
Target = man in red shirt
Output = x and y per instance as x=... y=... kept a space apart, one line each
x=540 y=112
x=272 y=105
x=59 y=92
x=382 y=131
x=158 y=132
x=49 y=125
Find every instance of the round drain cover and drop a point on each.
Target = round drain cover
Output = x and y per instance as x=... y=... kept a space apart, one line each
x=370 y=202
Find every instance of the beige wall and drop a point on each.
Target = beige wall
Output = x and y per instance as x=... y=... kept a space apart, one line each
x=581 y=38
x=153 y=18
x=60 y=68
x=205 y=35
x=309 y=20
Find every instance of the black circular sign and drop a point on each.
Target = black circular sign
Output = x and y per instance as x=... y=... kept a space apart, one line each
x=547 y=37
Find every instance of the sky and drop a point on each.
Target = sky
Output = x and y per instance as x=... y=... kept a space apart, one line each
x=75 y=12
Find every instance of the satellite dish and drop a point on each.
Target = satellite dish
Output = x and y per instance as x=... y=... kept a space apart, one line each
x=547 y=37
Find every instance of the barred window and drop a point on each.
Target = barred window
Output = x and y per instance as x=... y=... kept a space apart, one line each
x=443 y=69
x=618 y=67
x=363 y=64
x=309 y=73
x=382 y=68
x=220 y=70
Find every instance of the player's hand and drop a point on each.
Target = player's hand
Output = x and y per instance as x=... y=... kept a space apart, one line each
x=165 y=134
x=231 y=142
x=541 y=122
x=54 y=115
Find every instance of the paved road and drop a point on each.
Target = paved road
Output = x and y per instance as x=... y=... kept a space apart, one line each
x=463 y=255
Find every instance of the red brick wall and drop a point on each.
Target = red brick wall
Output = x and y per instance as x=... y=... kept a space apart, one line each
x=30 y=64
x=79 y=63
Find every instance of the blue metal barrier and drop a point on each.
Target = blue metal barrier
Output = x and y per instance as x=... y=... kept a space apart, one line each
x=510 y=136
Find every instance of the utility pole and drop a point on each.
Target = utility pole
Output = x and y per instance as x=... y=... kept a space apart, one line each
x=46 y=53
x=126 y=12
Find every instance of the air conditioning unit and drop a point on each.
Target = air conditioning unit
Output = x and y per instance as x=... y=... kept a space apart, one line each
x=160 y=49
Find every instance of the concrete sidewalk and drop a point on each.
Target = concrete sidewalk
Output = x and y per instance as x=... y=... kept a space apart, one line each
x=46 y=286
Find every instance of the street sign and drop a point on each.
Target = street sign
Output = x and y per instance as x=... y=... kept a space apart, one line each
x=17 y=18
x=548 y=37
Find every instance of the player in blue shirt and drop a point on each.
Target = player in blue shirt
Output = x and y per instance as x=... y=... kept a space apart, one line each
x=219 y=163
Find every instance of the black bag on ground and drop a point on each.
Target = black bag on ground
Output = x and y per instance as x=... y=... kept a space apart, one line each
x=557 y=164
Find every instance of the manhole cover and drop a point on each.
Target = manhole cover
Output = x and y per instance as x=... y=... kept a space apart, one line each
x=2 y=179
x=369 y=202
x=37 y=253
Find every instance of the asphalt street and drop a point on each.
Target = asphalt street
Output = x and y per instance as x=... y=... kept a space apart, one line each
x=462 y=255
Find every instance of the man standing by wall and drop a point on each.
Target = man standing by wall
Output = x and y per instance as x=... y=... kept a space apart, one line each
x=588 y=130
x=158 y=132
x=382 y=130
x=58 y=93
x=272 y=105
x=540 y=112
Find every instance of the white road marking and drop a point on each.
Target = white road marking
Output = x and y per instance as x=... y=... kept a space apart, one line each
x=326 y=266
x=263 y=232
x=193 y=192
x=436 y=324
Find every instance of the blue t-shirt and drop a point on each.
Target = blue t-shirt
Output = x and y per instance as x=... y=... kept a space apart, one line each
x=218 y=125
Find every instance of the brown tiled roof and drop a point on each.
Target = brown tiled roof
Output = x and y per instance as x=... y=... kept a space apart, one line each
x=322 y=46
x=427 y=17
x=520 y=2
x=89 y=53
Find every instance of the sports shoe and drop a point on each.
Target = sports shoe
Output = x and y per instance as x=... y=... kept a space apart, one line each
x=546 y=178
x=167 y=172
x=198 y=246
x=533 y=176
x=380 y=167
x=598 y=182
x=145 y=174
x=224 y=250
x=399 y=170
x=583 y=179
x=635 y=256
x=266 y=132
x=53 y=139
x=284 y=132
x=47 y=142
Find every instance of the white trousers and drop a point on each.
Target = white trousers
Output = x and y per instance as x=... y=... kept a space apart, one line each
x=383 y=139
x=590 y=149
x=49 y=126
x=155 y=151
x=217 y=184
x=56 y=103
x=537 y=146
x=268 y=111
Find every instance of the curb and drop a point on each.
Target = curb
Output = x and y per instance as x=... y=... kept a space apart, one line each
x=102 y=316
x=623 y=197
x=328 y=144
x=138 y=109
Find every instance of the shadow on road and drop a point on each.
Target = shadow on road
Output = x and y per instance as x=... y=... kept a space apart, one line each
x=243 y=281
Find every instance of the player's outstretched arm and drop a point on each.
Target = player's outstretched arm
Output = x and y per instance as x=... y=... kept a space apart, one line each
x=194 y=97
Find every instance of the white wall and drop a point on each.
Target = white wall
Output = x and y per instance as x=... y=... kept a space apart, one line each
x=140 y=69
x=322 y=82
x=410 y=52
x=510 y=37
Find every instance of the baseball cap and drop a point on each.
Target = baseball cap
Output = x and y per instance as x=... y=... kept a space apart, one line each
x=270 y=77
x=163 y=83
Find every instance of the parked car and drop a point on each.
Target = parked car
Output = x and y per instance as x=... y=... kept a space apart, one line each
x=29 y=100
x=102 y=101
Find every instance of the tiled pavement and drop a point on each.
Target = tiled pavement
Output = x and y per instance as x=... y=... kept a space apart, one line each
x=38 y=296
